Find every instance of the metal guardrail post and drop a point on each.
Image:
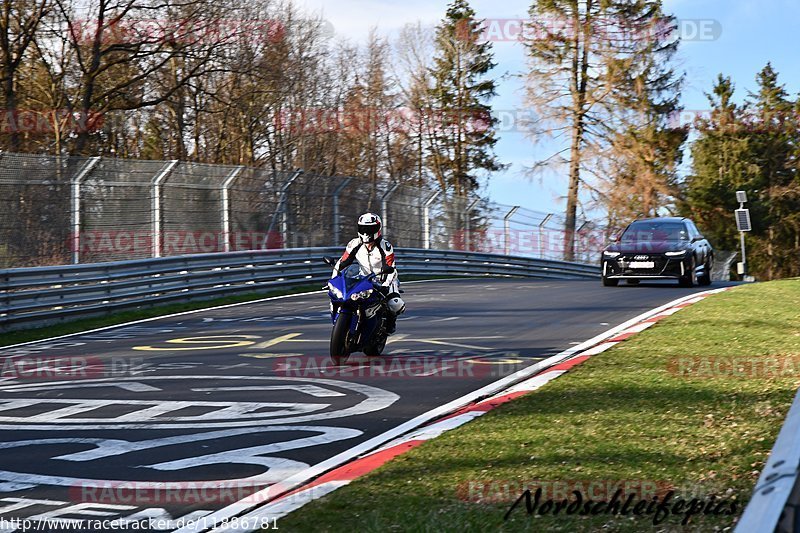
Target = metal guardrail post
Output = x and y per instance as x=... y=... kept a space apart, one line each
x=426 y=219
x=385 y=203
x=226 y=207
x=336 y=193
x=507 y=228
x=468 y=224
x=76 y=207
x=156 y=205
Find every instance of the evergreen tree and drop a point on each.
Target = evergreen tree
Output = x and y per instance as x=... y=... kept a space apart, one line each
x=751 y=147
x=645 y=144
x=775 y=138
x=721 y=165
x=462 y=126
x=600 y=77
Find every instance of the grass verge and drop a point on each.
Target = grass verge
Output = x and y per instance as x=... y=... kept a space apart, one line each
x=629 y=415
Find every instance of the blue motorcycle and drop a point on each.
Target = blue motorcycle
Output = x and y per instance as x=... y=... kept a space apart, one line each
x=358 y=313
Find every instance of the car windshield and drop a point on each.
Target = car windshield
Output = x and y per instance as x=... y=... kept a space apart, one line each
x=655 y=231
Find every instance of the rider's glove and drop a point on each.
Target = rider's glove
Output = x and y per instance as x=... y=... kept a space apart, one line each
x=383 y=289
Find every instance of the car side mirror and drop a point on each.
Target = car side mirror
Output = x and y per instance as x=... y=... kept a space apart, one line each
x=698 y=238
x=329 y=260
x=613 y=238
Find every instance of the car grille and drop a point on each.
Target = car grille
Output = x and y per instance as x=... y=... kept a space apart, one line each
x=663 y=265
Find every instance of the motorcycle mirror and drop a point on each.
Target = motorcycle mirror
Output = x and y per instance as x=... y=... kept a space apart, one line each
x=329 y=260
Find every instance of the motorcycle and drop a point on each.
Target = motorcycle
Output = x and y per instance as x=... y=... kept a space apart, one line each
x=358 y=313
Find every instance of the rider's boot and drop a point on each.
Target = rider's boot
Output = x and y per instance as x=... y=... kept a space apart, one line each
x=391 y=323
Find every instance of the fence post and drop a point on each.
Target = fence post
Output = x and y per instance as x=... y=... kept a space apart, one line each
x=385 y=203
x=507 y=228
x=336 y=192
x=426 y=219
x=576 y=240
x=156 y=205
x=76 y=208
x=542 y=224
x=226 y=207
x=280 y=210
x=468 y=225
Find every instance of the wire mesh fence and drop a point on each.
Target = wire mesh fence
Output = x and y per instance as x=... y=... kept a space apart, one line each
x=61 y=210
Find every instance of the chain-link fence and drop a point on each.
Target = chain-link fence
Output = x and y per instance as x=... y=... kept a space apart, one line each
x=60 y=210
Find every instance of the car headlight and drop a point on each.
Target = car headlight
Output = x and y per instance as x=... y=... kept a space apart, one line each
x=676 y=254
x=612 y=255
x=336 y=292
x=361 y=295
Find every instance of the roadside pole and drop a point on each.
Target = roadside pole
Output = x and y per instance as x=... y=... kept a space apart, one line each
x=743 y=224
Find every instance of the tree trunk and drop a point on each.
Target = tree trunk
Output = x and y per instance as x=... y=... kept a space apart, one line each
x=11 y=108
x=572 y=194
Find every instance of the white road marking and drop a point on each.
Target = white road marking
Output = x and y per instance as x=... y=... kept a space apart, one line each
x=153 y=410
x=375 y=399
x=600 y=348
x=457 y=345
x=313 y=390
x=276 y=468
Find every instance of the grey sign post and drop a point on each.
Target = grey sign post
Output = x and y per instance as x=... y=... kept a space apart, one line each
x=743 y=224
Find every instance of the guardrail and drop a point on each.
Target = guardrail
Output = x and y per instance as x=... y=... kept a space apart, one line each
x=776 y=498
x=45 y=295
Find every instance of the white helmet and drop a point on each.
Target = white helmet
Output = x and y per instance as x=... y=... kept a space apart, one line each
x=369 y=227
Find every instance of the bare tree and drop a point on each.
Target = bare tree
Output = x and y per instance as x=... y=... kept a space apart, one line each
x=583 y=54
x=19 y=23
x=111 y=53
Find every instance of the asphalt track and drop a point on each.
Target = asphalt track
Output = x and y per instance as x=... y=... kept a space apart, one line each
x=178 y=417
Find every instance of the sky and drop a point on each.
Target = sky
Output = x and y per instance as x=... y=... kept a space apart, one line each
x=733 y=37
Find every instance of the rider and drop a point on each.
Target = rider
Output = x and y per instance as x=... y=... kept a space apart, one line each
x=373 y=252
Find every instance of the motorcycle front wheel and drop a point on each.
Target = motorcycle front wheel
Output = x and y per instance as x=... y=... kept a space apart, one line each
x=339 y=348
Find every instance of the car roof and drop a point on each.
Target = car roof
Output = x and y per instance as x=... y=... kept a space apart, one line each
x=661 y=219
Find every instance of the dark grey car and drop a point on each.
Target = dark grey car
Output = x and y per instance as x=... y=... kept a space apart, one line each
x=659 y=248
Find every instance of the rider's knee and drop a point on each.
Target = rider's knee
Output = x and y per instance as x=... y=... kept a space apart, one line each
x=396 y=304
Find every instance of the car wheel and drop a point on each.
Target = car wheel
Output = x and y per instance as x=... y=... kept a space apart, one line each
x=705 y=279
x=690 y=279
x=610 y=282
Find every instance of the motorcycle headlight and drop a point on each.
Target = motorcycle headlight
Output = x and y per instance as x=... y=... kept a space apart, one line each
x=676 y=254
x=361 y=295
x=611 y=255
x=336 y=292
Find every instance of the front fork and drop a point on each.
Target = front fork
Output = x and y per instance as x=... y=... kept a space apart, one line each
x=357 y=312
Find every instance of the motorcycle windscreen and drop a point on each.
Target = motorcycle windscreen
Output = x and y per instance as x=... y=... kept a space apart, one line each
x=352 y=277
